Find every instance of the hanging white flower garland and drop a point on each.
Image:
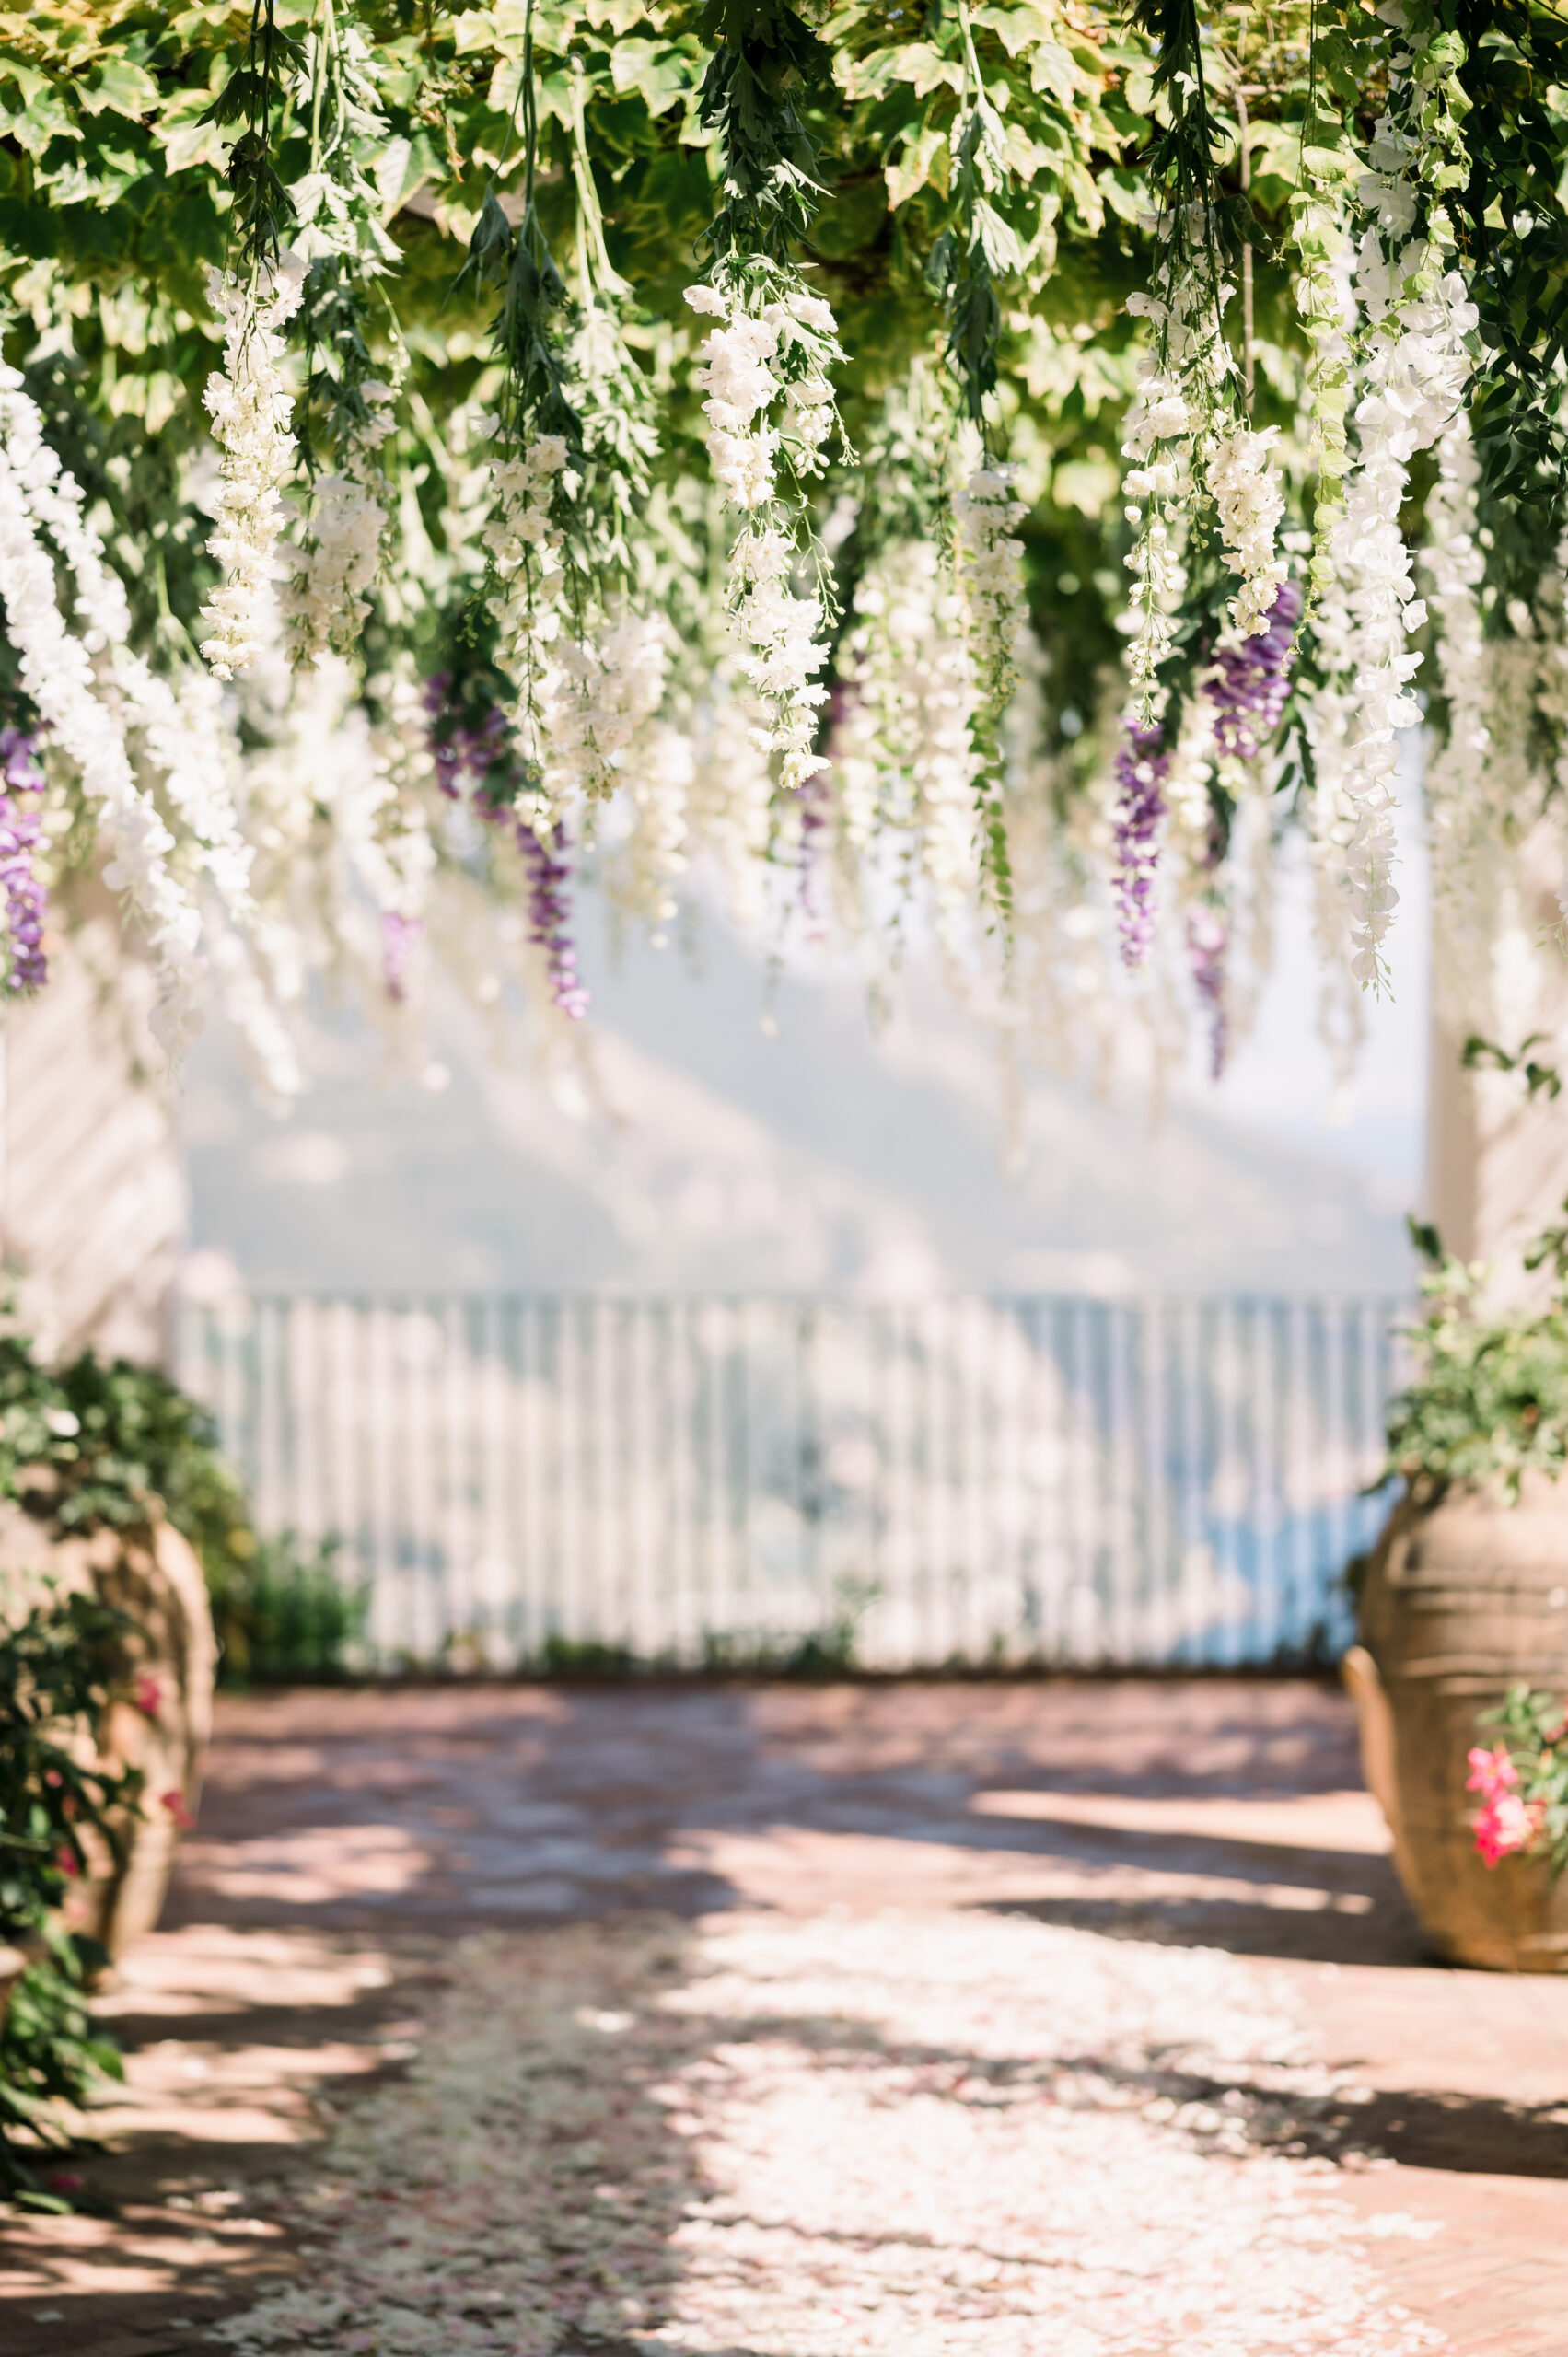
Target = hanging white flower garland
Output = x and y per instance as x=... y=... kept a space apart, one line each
x=1414 y=367
x=769 y=398
x=1459 y=815
x=56 y=672
x=251 y=407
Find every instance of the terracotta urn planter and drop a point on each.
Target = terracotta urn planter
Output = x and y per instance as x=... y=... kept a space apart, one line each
x=1462 y=1598
x=162 y=1727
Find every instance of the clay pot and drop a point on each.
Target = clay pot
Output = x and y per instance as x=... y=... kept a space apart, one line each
x=151 y=1574
x=1462 y=1598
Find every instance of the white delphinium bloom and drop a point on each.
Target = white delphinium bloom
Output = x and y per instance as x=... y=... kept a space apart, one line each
x=738 y=380
x=1415 y=371
x=857 y=773
x=250 y=1001
x=187 y=740
x=1180 y=390
x=1184 y=429
x=180 y=723
x=57 y=673
x=876 y=737
x=660 y=784
x=1325 y=297
x=946 y=768
x=1458 y=802
x=251 y=407
x=1158 y=442
x=782 y=650
x=1415 y=366
x=598 y=697
x=905 y=750
x=769 y=400
x=988 y=574
x=730 y=800
x=345 y=860
x=1248 y=493
x=524 y=545
x=1328 y=713
x=401 y=736
x=1193 y=760
x=338 y=560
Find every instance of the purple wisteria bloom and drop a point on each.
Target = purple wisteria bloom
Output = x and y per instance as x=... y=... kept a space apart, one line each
x=465 y=757
x=1251 y=681
x=550 y=913
x=20 y=828
x=1141 y=769
x=462 y=755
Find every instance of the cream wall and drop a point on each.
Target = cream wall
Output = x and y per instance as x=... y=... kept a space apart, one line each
x=1497 y=1160
x=92 y=1196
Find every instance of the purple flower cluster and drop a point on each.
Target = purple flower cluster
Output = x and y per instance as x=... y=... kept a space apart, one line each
x=1207 y=942
x=466 y=757
x=460 y=754
x=399 y=939
x=1252 y=679
x=19 y=832
x=550 y=912
x=1141 y=769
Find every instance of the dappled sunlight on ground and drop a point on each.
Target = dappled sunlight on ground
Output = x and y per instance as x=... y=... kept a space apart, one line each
x=835 y=2133
x=797 y=2020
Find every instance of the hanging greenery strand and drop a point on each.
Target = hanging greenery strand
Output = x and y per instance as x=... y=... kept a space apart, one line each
x=1158 y=329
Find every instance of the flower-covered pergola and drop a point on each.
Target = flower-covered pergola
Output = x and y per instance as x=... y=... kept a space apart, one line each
x=990 y=471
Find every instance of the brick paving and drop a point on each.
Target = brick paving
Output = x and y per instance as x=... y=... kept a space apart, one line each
x=345 y=1837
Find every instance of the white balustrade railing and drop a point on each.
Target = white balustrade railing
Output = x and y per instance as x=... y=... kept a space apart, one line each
x=1051 y=1481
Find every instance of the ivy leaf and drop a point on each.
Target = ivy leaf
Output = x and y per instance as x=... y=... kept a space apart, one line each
x=121 y=86
x=998 y=241
x=913 y=167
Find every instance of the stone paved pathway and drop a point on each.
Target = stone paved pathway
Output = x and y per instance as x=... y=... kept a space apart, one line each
x=345 y=1838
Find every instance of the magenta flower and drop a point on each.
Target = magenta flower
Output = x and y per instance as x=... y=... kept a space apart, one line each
x=1492 y=1773
x=174 y=1802
x=1507 y=1825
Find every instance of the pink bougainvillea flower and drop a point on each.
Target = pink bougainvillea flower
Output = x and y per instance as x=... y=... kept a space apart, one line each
x=175 y=1803
x=149 y=1695
x=65 y=1859
x=1490 y=1772
x=1507 y=1825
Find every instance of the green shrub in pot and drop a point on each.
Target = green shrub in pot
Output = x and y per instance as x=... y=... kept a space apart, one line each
x=1464 y=1602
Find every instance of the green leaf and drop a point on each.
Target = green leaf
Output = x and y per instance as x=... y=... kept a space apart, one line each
x=925 y=69
x=1017 y=29
x=121 y=86
x=913 y=168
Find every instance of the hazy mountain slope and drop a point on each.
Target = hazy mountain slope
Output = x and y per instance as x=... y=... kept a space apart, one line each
x=818 y=1158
